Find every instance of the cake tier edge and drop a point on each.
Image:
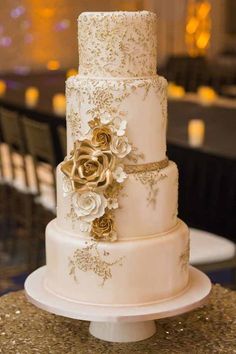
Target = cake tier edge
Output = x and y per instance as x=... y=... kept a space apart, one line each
x=120 y=273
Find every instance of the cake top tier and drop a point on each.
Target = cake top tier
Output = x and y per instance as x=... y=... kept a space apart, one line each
x=117 y=44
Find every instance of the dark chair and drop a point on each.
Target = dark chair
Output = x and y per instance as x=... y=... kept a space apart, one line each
x=40 y=146
x=12 y=135
x=16 y=196
x=62 y=139
x=187 y=71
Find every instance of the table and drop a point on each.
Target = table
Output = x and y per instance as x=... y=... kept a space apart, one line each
x=48 y=84
x=207 y=175
x=220 y=125
x=24 y=329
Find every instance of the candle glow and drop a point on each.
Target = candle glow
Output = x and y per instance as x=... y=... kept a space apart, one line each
x=31 y=96
x=175 y=91
x=196 y=132
x=207 y=95
x=3 y=88
x=59 y=104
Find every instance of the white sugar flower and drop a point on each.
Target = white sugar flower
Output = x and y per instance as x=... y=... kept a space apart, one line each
x=119 y=126
x=122 y=127
x=120 y=146
x=66 y=186
x=112 y=203
x=105 y=117
x=85 y=226
x=84 y=131
x=89 y=205
x=119 y=174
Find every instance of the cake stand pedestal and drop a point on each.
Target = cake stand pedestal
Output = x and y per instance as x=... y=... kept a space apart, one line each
x=119 y=323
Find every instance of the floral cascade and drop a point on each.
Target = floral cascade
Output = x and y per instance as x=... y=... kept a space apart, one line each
x=95 y=174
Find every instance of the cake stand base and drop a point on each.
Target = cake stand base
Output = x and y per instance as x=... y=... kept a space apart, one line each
x=119 y=323
x=123 y=332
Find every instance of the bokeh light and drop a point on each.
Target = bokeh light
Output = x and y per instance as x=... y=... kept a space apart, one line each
x=17 y=11
x=5 y=41
x=53 y=65
x=62 y=25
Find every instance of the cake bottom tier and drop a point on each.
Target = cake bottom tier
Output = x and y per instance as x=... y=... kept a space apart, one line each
x=136 y=272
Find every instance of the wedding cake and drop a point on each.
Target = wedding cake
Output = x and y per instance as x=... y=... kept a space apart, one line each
x=117 y=239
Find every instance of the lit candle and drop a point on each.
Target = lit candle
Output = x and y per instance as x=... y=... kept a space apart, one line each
x=59 y=104
x=196 y=132
x=3 y=88
x=31 y=96
x=206 y=95
x=175 y=91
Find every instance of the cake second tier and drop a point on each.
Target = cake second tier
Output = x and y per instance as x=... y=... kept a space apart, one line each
x=141 y=104
x=148 y=204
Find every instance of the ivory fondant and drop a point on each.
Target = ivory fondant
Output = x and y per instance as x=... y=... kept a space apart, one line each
x=148 y=204
x=142 y=102
x=141 y=271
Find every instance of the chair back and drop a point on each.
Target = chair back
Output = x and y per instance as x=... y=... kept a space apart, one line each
x=187 y=71
x=12 y=130
x=39 y=142
x=61 y=131
x=12 y=135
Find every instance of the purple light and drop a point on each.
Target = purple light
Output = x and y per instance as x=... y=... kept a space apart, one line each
x=5 y=41
x=13 y=85
x=22 y=70
x=28 y=38
x=62 y=25
x=17 y=11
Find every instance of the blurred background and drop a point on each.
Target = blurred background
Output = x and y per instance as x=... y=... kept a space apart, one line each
x=196 y=53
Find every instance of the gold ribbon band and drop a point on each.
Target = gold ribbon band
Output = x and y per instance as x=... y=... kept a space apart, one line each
x=146 y=167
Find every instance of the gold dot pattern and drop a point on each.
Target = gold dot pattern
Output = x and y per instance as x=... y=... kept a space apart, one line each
x=117 y=44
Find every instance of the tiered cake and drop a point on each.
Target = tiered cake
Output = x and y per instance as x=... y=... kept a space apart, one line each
x=116 y=239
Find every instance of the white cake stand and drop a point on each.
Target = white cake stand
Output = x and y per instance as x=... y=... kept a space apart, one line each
x=119 y=323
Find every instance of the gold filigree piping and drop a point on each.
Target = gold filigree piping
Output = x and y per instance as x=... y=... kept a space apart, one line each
x=89 y=259
x=147 y=167
x=150 y=179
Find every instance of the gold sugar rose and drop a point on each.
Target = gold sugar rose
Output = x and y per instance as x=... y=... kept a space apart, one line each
x=103 y=228
x=102 y=137
x=89 y=168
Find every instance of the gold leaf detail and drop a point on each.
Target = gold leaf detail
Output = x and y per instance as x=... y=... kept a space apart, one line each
x=184 y=257
x=150 y=179
x=88 y=259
